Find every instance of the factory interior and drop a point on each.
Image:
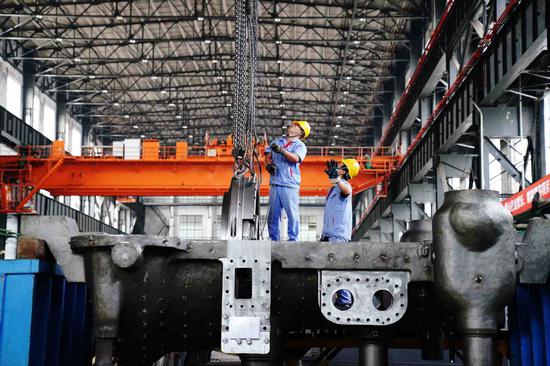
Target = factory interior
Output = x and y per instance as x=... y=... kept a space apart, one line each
x=274 y=182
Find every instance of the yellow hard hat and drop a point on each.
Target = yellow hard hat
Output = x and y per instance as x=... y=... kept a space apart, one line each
x=304 y=126
x=352 y=165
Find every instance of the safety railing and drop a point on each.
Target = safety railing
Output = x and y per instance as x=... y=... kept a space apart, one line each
x=364 y=154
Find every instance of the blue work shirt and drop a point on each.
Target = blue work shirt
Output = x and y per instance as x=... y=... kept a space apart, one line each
x=287 y=173
x=337 y=216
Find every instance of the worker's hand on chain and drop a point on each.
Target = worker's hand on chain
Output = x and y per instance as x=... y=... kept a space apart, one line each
x=271 y=168
x=276 y=148
x=332 y=171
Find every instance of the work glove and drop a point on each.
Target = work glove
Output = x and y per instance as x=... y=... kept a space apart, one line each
x=276 y=148
x=332 y=171
x=271 y=168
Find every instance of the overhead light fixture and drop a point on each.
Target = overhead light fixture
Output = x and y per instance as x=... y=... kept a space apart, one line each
x=185 y=127
x=104 y=91
x=207 y=41
x=190 y=136
x=283 y=116
x=228 y=105
x=362 y=20
x=144 y=60
x=178 y=116
x=281 y=77
x=346 y=92
x=116 y=104
x=281 y=105
x=351 y=62
x=339 y=117
x=281 y=92
x=132 y=41
x=163 y=91
x=59 y=40
x=277 y=20
x=135 y=126
x=356 y=43
x=154 y=77
x=38 y=16
x=342 y=105
x=278 y=41
x=200 y=19
x=332 y=144
x=348 y=77
x=337 y=126
x=119 y=17
x=76 y=59
x=220 y=77
x=142 y=136
x=279 y=61
x=92 y=76
x=214 y=61
x=171 y=105
x=126 y=116
x=335 y=136
x=224 y=91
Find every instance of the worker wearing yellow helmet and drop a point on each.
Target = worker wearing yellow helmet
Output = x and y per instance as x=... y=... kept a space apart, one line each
x=337 y=219
x=283 y=158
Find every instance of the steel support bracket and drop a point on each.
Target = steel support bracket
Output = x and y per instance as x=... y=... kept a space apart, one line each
x=246 y=297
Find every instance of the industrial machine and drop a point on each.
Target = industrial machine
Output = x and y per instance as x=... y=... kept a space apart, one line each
x=445 y=285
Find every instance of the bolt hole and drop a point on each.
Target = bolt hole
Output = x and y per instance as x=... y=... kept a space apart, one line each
x=338 y=319
x=396 y=286
x=244 y=260
x=347 y=279
x=388 y=319
x=348 y=319
x=387 y=281
x=266 y=291
x=337 y=280
x=324 y=304
x=357 y=279
x=264 y=328
x=396 y=314
x=255 y=261
x=242 y=306
x=252 y=306
x=231 y=261
x=329 y=313
x=324 y=294
x=376 y=280
x=267 y=269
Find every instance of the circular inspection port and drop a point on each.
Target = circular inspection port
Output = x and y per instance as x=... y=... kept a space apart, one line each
x=342 y=299
x=382 y=300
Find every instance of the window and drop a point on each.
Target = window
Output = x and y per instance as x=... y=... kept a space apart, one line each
x=49 y=121
x=217 y=228
x=14 y=94
x=190 y=227
x=308 y=228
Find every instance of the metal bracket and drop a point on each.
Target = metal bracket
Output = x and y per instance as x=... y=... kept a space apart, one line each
x=246 y=297
x=378 y=297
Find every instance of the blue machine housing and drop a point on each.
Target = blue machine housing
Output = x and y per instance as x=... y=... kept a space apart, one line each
x=43 y=318
x=529 y=325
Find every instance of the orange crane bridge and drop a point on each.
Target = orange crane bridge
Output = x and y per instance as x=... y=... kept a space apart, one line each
x=155 y=170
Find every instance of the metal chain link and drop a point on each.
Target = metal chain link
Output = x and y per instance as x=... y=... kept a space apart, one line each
x=244 y=98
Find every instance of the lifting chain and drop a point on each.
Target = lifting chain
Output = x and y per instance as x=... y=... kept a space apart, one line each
x=244 y=103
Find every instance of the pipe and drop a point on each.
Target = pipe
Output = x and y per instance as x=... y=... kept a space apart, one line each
x=479 y=350
x=12 y=225
x=373 y=353
x=481 y=148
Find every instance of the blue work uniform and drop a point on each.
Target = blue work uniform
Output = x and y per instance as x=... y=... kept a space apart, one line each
x=284 y=192
x=337 y=216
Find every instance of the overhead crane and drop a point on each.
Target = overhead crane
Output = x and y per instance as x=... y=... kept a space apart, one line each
x=156 y=170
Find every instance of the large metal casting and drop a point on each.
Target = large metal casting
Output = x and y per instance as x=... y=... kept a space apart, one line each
x=154 y=295
x=475 y=270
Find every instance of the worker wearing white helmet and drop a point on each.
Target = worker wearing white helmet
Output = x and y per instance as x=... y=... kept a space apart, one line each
x=337 y=219
x=283 y=158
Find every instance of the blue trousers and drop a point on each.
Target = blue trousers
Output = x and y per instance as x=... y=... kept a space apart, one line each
x=283 y=198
